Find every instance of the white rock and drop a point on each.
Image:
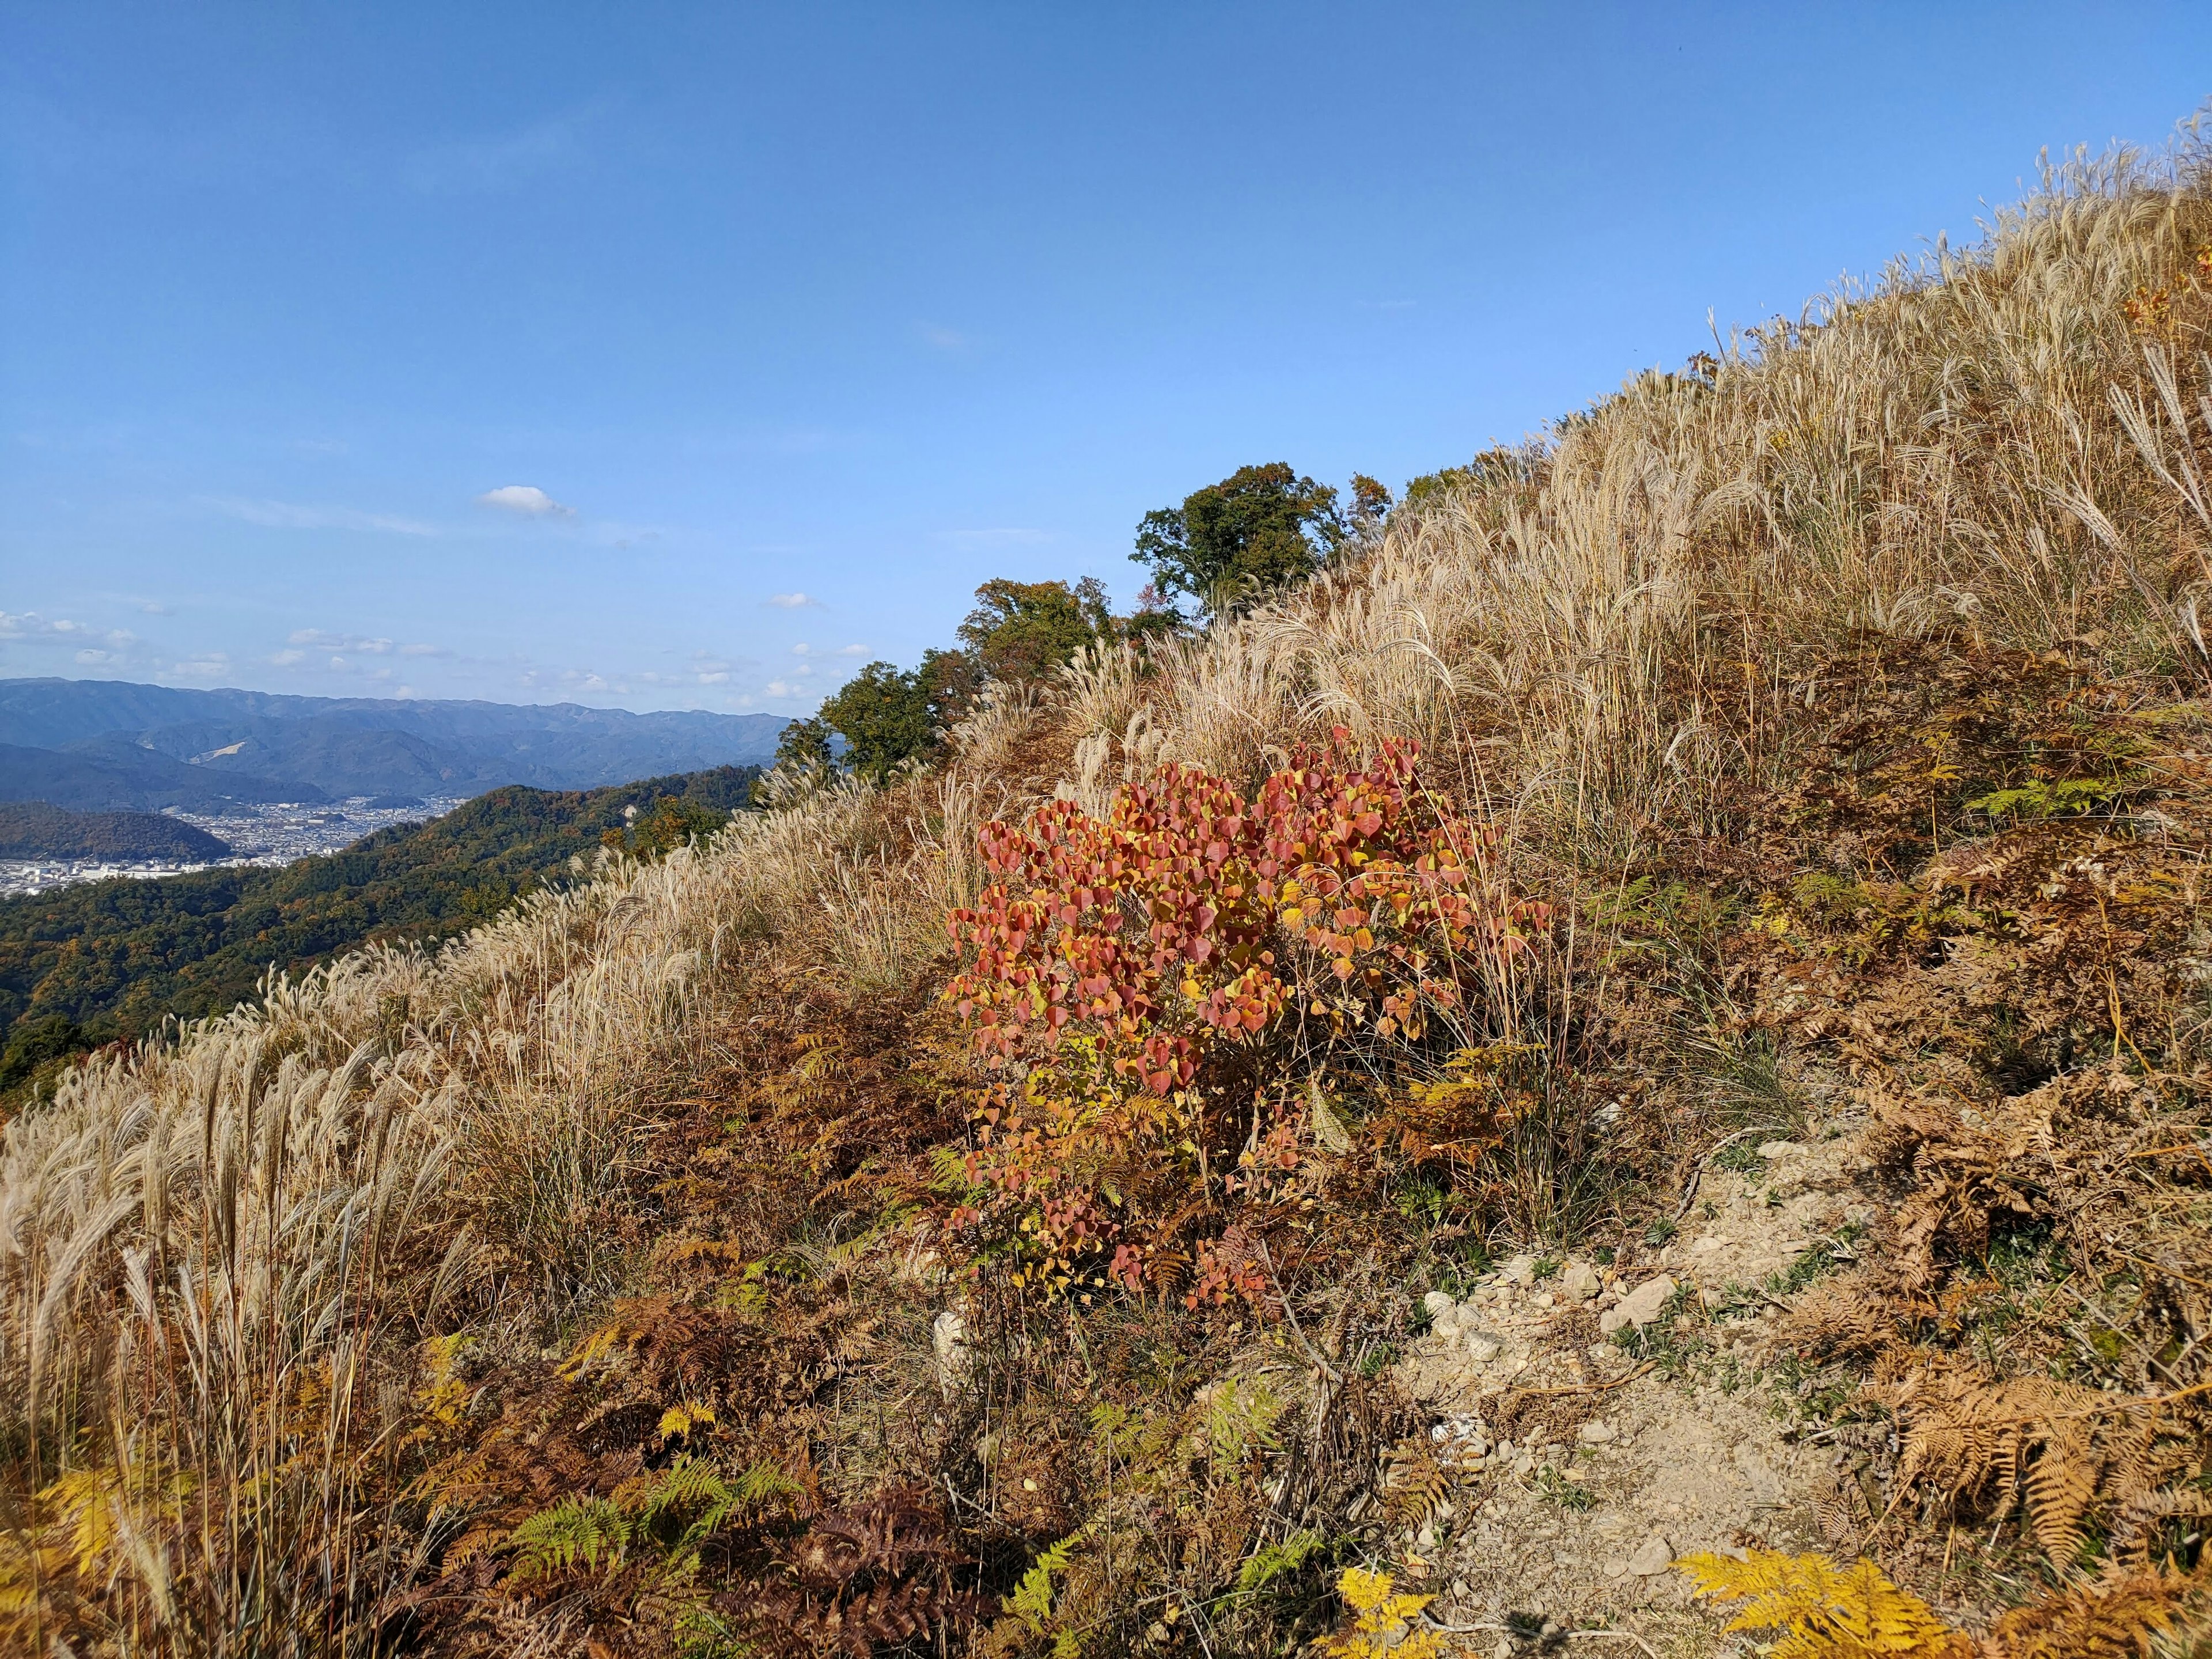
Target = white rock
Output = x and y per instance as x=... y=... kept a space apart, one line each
x=1435 y=1304
x=1521 y=1270
x=1778 y=1148
x=1655 y=1556
x=1640 y=1305
x=1580 y=1281
x=948 y=1341
x=1482 y=1349
x=1447 y=1323
x=1595 y=1434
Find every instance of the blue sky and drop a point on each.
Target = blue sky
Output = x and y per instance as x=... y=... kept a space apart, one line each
x=780 y=328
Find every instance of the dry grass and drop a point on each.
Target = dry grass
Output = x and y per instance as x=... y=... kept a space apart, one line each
x=1987 y=443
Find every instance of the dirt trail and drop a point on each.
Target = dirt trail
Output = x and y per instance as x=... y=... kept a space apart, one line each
x=1579 y=1470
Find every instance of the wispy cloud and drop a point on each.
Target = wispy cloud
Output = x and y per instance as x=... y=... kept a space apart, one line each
x=804 y=650
x=334 y=651
x=317 y=638
x=498 y=160
x=1007 y=535
x=293 y=515
x=942 y=338
x=527 y=499
x=89 y=644
x=207 y=665
x=791 y=601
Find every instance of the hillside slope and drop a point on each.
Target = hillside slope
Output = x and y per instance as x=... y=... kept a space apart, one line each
x=111 y=960
x=1660 y=1011
x=133 y=780
x=38 y=829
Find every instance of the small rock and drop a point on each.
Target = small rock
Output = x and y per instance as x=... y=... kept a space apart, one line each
x=1481 y=1349
x=1640 y=1306
x=1436 y=1302
x=1546 y=1299
x=1778 y=1148
x=1521 y=1270
x=1447 y=1323
x=1859 y=1215
x=1459 y=1589
x=1580 y=1281
x=1595 y=1434
x=1616 y=1569
x=1706 y=1245
x=948 y=1341
x=1654 y=1557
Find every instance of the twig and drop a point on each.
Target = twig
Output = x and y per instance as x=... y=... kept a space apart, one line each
x=1436 y=1623
x=1698 y=1170
x=1305 y=1347
x=1618 y=1636
x=1583 y=1387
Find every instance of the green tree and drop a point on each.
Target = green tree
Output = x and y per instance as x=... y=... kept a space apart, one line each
x=1257 y=530
x=1023 y=630
x=883 y=713
x=805 y=745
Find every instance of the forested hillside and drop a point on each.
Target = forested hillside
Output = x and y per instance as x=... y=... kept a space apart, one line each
x=1636 y=1023
x=106 y=961
x=38 y=829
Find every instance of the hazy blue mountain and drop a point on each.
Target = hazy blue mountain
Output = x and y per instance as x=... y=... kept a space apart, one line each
x=133 y=779
x=342 y=747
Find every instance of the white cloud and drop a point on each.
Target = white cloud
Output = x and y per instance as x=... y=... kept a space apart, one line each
x=287 y=659
x=292 y=515
x=317 y=638
x=424 y=651
x=207 y=665
x=91 y=644
x=527 y=499
x=851 y=650
x=157 y=608
x=791 y=601
x=782 y=689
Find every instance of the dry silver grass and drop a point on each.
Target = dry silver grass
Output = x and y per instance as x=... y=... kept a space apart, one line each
x=1985 y=442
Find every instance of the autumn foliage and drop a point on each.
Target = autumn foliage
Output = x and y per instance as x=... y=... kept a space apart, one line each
x=1128 y=976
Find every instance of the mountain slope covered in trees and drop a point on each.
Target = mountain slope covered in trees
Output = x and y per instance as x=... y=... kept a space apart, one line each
x=107 y=961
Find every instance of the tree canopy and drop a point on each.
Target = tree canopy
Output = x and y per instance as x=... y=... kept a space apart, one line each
x=1023 y=630
x=1257 y=530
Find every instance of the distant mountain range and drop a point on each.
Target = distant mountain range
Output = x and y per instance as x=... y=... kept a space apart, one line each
x=109 y=745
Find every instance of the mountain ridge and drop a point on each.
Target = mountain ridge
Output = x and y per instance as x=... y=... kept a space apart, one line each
x=268 y=747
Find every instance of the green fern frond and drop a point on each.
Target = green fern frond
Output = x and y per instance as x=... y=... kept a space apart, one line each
x=590 y=1530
